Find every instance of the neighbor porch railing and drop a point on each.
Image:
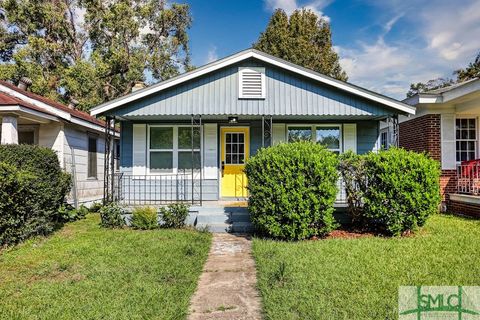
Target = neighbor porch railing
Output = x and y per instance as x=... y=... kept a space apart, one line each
x=468 y=177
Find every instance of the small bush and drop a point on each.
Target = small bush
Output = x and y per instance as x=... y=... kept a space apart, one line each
x=111 y=216
x=292 y=190
x=145 y=218
x=33 y=187
x=68 y=213
x=352 y=168
x=397 y=190
x=95 y=207
x=174 y=215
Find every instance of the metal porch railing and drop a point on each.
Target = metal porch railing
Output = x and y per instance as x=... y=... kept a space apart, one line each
x=135 y=190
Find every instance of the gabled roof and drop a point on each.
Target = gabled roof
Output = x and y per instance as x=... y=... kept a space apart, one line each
x=64 y=111
x=451 y=87
x=446 y=94
x=244 y=55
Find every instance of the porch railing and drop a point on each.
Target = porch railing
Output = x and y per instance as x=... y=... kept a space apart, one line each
x=135 y=190
x=468 y=177
x=138 y=190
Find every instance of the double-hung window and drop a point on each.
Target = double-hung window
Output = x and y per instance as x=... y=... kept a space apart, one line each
x=466 y=139
x=170 y=149
x=328 y=135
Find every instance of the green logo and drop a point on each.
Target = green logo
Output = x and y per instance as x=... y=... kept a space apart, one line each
x=438 y=302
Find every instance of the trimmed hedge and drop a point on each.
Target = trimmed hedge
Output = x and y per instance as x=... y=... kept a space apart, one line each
x=32 y=190
x=292 y=188
x=392 y=191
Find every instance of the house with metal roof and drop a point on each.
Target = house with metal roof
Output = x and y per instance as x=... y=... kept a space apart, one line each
x=187 y=138
x=77 y=137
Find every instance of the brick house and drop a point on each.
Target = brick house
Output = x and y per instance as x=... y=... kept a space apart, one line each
x=446 y=126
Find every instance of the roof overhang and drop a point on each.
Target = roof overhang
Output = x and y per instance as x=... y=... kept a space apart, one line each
x=58 y=114
x=454 y=95
x=247 y=54
x=28 y=113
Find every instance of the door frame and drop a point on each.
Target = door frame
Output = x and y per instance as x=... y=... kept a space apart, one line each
x=221 y=154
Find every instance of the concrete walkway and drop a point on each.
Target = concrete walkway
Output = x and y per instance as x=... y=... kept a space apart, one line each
x=227 y=286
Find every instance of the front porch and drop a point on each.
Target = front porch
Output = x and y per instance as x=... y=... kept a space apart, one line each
x=466 y=200
x=202 y=160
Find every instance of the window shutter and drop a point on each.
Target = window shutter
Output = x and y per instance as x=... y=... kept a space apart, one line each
x=350 y=137
x=252 y=83
x=448 y=147
x=278 y=133
x=139 y=149
x=210 y=164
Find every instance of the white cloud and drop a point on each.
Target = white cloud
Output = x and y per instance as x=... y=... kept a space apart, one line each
x=291 y=5
x=453 y=30
x=211 y=55
x=439 y=38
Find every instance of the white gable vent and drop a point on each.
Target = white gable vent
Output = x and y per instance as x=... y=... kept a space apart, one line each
x=251 y=84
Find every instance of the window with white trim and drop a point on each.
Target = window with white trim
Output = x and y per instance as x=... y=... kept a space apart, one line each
x=466 y=139
x=329 y=135
x=170 y=149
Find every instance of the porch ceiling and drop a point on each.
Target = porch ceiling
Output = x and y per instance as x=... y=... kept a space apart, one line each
x=222 y=118
x=469 y=104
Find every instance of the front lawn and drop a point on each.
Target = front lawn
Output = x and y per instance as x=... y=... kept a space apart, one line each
x=359 y=278
x=86 y=272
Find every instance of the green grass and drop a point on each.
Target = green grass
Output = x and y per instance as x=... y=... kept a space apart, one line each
x=86 y=272
x=359 y=278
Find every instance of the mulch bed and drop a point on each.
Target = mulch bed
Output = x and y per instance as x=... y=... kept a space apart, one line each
x=349 y=234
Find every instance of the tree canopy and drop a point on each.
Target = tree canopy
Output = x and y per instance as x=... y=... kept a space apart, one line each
x=92 y=50
x=304 y=38
x=470 y=72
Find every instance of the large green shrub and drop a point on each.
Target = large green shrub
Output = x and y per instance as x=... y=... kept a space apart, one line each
x=397 y=190
x=32 y=190
x=145 y=218
x=292 y=189
x=174 y=215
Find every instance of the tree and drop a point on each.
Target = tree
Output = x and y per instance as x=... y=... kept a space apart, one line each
x=420 y=87
x=470 y=72
x=92 y=50
x=304 y=39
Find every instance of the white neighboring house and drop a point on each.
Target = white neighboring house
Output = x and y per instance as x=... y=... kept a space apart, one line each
x=76 y=137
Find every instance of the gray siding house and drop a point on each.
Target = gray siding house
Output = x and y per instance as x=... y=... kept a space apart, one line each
x=187 y=138
x=77 y=138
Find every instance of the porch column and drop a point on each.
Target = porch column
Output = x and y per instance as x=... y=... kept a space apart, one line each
x=9 y=130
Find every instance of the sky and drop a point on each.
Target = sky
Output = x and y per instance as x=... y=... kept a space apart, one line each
x=384 y=45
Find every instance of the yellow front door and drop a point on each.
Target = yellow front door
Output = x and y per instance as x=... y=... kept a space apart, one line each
x=235 y=143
